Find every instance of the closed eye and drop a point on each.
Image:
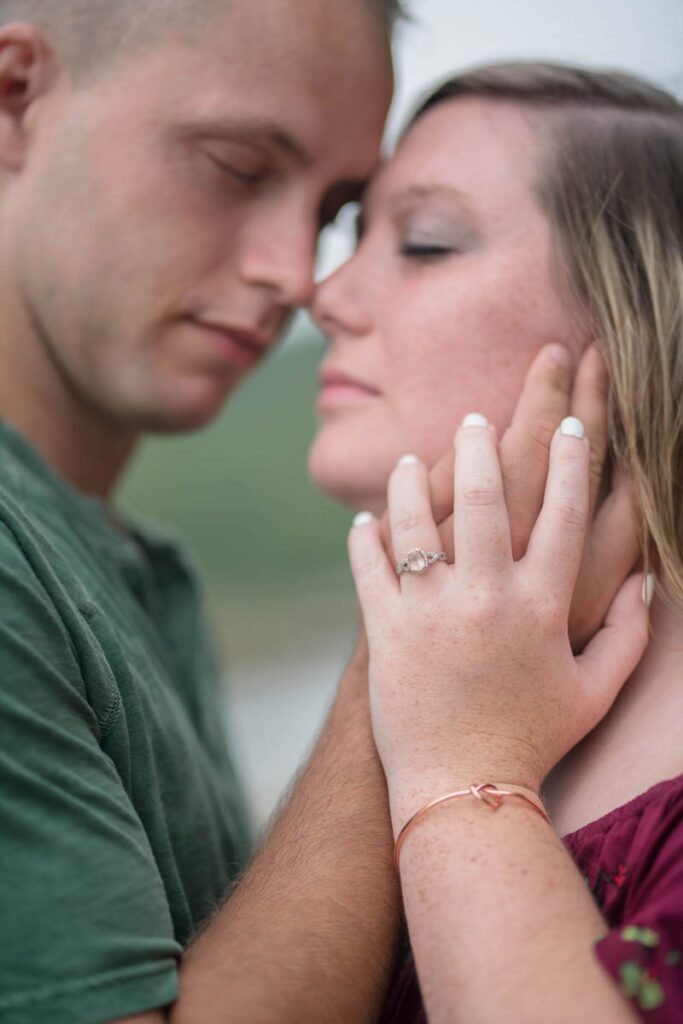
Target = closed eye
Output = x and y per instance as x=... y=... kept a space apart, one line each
x=413 y=250
x=244 y=177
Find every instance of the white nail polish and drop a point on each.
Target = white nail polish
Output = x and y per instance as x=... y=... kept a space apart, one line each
x=363 y=519
x=408 y=460
x=475 y=419
x=648 y=591
x=572 y=427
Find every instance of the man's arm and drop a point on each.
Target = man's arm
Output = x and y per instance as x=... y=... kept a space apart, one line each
x=310 y=933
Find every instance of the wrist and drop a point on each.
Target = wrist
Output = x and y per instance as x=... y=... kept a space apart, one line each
x=410 y=792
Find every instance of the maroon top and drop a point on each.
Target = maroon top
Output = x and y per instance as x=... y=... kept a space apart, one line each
x=632 y=861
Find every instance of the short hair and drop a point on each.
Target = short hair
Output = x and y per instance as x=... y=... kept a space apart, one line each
x=91 y=33
x=610 y=180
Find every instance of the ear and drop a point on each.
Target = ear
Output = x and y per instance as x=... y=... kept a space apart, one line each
x=26 y=70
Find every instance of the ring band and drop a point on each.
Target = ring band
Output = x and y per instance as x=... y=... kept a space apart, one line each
x=418 y=561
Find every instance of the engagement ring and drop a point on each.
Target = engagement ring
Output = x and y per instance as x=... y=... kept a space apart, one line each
x=418 y=561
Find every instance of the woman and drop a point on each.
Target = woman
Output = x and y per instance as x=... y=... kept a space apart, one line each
x=526 y=203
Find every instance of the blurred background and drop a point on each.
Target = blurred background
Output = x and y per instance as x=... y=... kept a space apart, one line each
x=271 y=549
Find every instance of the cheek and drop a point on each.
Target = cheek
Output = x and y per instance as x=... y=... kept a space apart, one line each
x=465 y=345
x=445 y=364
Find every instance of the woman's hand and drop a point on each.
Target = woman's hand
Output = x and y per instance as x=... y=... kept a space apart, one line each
x=551 y=392
x=472 y=675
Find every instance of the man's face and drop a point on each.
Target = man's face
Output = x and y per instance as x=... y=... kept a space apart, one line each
x=164 y=221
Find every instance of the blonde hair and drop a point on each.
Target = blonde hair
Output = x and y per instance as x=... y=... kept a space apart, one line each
x=611 y=182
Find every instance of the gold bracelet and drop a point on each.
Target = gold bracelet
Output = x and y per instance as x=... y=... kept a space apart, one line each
x=490 y=793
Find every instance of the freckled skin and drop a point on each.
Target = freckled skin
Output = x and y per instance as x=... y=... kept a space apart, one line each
x=443 y=338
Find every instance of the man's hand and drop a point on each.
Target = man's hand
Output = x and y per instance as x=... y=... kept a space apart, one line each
x=550 y=393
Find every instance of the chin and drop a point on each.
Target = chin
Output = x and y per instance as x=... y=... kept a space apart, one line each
x=350 y=481
x=182 y=411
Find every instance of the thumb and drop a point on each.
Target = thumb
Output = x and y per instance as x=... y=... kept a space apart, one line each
x=613 y=653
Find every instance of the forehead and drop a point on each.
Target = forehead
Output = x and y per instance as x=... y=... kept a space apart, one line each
x=319 y=69
x=486 y=150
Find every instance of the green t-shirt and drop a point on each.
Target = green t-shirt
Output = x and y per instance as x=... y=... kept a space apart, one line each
x=121 y=819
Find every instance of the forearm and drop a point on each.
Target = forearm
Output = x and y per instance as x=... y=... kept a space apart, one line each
x=501 y=922
x=310 y=933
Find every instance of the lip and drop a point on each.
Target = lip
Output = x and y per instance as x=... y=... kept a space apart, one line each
x=240 y=346
x=338 y=389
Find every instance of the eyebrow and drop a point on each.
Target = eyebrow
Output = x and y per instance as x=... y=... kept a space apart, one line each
x=402 y=201
x=419 y=193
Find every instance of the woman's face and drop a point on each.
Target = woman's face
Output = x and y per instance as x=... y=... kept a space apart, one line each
x=451 y=293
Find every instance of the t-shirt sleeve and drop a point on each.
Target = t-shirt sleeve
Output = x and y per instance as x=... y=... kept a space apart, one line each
x=644 y=955
x=85 y=929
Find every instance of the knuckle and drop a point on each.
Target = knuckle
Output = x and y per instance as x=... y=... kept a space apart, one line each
x=541 y=431
x=596 y=463
x=529 y=440
x=369 y=564
x=484 y=605
x=570 y=514
x=571 y=454
x=407 y=522
x=551 y=617
x=480 y=496
x=548 y=620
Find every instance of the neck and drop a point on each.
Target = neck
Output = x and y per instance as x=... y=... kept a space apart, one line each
x=82 y=449
x=637 y=744
x=661 y=669
x=83 y=446
x=648 y=707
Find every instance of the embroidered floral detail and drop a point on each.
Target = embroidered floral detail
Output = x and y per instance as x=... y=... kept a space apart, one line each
x=644 y=936
x=617 y=879
x=619 y=876
x=637 y=983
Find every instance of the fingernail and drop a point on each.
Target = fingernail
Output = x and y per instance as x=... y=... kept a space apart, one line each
x=475 y=419
x=363 y=519
x=408 y=460
x=572 y=427
x=648 y=591
x=561 y=355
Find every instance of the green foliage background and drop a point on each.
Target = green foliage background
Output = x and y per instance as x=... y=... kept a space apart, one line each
x=271 y=549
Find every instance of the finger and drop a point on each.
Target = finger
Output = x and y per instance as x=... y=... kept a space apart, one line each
x=446 y=537
x=441 y=487
x=613 y=654
x=410 y=514
x=385 y=536
x=441 y=498
x=589 y=404
x=481 y=531
x=612 y=553
x=557 y=542
x=375 y=579
x=525 y=446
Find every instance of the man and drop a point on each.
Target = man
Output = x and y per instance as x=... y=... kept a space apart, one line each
x=165 y=166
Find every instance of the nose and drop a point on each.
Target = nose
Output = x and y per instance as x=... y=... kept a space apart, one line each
x=282 y=262
x=339 y=304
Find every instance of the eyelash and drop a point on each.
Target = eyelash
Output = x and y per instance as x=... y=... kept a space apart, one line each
x=425 y=252
x=242 y=177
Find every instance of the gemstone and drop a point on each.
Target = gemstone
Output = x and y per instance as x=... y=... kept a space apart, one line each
x=417 y=561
